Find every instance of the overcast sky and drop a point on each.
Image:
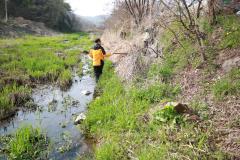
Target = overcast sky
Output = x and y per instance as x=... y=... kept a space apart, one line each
x=91 y=7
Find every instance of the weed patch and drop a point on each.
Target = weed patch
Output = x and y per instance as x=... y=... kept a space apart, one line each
x=155 y=93
x=65 y=79
x=26 y=144
x=11 y=96
x=231 y=34
x=229 y=85
x=168 y=114
x=80 y=69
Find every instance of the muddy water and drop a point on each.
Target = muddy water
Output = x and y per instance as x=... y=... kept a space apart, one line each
x=55 y=116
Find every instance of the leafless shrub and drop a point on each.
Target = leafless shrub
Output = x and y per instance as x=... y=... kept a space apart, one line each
x=120 y=20
x=133 y=65
x=214 y=6
x=139 y=9
x=187 y=13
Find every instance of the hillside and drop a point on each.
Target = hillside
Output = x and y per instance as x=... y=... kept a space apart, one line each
x=19 y=26
x=55 y=14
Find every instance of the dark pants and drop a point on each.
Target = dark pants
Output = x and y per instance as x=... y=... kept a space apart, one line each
x=98 y=71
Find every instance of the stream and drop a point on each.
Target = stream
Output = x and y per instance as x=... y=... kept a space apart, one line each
x=55 y=116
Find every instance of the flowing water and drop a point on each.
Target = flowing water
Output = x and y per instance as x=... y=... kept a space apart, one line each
x=56 y=114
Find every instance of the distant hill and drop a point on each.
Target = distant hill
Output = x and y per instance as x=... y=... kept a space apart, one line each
x=98 y=21
x=19 y=26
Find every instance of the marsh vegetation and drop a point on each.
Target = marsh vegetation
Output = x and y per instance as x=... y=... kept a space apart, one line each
x=41 y=83
x=28 y=61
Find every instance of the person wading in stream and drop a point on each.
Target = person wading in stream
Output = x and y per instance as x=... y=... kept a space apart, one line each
x=97 y=53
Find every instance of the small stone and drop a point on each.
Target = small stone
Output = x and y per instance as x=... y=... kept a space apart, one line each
x=63 y=125
x=75 y=103
x=231 y=63
x=172 y=103
x=179 y=107
x=65 y=40
x=80 y=118
x=87 y=93
x=238 y=13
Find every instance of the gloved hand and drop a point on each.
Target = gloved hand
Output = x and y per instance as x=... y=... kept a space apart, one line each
x=108 y=55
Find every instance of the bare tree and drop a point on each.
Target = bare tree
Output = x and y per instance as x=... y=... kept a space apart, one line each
x=187 y=15
x=139 y=9
x=120 y=17
x=6 y=10
x=213 y=7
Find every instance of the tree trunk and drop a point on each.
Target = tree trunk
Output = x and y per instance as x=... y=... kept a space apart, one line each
x=212 y=11
x=200 y=43
x=202 y=50
x=6 y=11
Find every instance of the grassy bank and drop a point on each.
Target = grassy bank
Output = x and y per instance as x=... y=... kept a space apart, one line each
x=129 y=122
x=30 y=60
x=133 y=121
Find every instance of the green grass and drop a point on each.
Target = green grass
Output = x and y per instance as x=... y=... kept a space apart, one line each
x=33 y=59
x=27 y=144
x=156 y=92
x=228 y=85
x=122 y=118
x=37 y=56
x=80 y=69
x=117 y=120
x=164 y=71
x=168 y=114
x=5 y=100
x=65 y=78
x=176 y=56
x=231 y=31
